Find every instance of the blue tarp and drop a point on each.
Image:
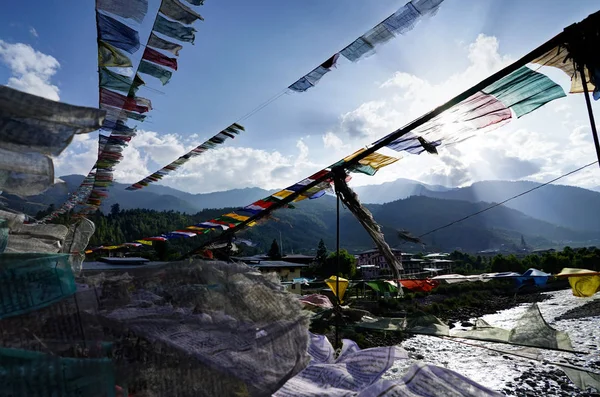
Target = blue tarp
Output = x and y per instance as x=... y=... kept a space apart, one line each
x=532 y=277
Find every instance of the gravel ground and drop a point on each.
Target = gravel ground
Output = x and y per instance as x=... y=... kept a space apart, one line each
x=517 y=376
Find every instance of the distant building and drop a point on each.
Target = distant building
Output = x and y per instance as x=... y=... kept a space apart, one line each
x=285 y=270
x=298 y=258
x=368 y=272
x=374 y=258
x=373 y=265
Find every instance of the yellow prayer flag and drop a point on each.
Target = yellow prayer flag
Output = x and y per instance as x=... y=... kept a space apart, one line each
x=556 y=58
x=145 y=242
x=282 y=194
x=374 y=160
x=233 y=215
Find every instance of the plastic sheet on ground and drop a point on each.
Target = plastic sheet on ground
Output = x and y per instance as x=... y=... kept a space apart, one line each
x=417 y=323
x=316 y=301
x=214 y=329
x=531 y=330
x=459 y=278
x=581 y=378
x=357 y=372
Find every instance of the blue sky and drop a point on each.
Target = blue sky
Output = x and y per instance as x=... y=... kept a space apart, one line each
x=247 y=52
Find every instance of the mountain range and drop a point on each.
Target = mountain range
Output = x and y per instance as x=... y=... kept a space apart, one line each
x=550 y=216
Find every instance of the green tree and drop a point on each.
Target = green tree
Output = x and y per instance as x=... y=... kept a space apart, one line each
x=115 y=209
x=274 y=251
x=347 y=265
x=321 y=256
x=509 y=263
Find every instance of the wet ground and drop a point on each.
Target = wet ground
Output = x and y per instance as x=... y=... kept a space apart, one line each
x=511 y=375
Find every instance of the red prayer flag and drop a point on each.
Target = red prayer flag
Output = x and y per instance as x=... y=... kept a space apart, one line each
x=115 y=99
x=161 y=59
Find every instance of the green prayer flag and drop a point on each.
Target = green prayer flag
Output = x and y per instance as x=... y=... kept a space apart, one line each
x=135 y=116
x=174 y=29
x=118 y=82
x=524 y=90
x=153 y=70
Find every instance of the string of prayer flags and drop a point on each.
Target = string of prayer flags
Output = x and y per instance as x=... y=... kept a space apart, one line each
x=113 y=38
x=520 y=92
x=132 y=9
x=229 y=132
x=156 y=42
x=312 y=78
x=117 y=33
x=178 y=11
x=396 y=24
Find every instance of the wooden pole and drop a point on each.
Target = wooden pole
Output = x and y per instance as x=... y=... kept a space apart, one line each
x=590 y=111
x=337 y=271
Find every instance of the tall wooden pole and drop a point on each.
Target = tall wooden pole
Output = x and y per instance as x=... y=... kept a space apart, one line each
x=590 y=111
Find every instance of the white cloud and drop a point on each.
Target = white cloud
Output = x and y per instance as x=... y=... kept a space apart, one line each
x=33 y=32
x=31 y=70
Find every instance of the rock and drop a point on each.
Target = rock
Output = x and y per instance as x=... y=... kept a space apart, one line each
x=419 y=357
x=466 y=324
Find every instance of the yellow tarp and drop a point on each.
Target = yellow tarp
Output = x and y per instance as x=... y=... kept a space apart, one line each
x=556 y=57
x=331 y=283
x=584 y=283
x=374 y=160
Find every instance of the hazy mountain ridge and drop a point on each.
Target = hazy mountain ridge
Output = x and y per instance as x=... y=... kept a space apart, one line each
x=420 y=209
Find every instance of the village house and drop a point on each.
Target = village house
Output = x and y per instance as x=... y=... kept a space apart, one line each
x=285 y=270
x=373 y=265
